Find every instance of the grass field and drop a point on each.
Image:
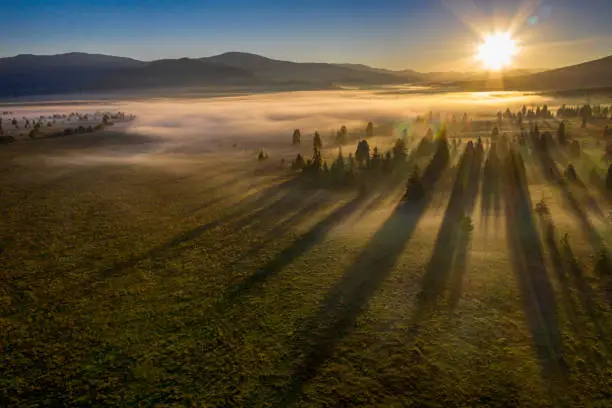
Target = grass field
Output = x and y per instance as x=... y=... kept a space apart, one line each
x=138 y=276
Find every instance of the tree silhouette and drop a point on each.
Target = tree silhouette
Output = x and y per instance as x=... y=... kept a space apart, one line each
x=609 y=179
x=316 y=141
x=570 y=173
x=296 y=137
x=369 y=130
x=298 y=163
x=351 y=162
x=341 y=136
x=400 y=152
x=362 y=154
x=414 y=186
x=561 y=138
x=375 y=162
x=495 y=134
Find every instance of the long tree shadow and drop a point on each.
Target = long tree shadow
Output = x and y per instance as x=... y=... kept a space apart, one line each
x=490 y=203
x=551 y=172
x=529 y=266
x=586 y=294
x=439 y=265
x=298 y=248
x=464 y=234
x=312 y=204
x=551 y=241
x=562 y=156
x=269 y=200
x=347 y=298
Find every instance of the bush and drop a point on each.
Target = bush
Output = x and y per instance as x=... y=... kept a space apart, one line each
x=35 y=133
x=541 y=208
x=570 y=173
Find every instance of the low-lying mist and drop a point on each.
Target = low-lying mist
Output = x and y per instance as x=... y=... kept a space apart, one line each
x=267 y=117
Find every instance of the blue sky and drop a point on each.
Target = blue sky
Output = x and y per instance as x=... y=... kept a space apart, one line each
x=418 y=34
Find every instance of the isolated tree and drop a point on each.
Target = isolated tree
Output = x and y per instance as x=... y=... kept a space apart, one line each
x=298 y=163
x=375 y=161
x=570 y=173
x=369 y=130
x=105 y=119
x=341 y=136
x=494 y=134
x=414 y=186
x=363 y=153
x=400 y=152
x=296 y=137
x=316 y=141
x=261 y=156
x=562 y=139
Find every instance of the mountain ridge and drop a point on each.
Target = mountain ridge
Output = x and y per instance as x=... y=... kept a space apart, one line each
x=30 y=74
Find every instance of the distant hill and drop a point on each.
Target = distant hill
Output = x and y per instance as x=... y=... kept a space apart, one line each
x=64 y=73
x=174 y=73
x=588 y=75
x=27 y=75
x=276 y=71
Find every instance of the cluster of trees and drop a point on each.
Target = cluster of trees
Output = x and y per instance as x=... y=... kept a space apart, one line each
x=583 y=111
x=342 y=171
x=340 y=137
x=416 y=186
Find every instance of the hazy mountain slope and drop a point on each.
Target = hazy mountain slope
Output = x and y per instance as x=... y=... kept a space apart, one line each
x=591 y=74
x=175 y=73
x=286 y=72
x=44 y=74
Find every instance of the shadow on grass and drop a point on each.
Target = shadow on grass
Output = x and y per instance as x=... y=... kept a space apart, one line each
x=490 y=199
x=549 y=169
x=561 y=154
x=464 y=236
x=346 y=299
x=298 y=248
x=528 y=263
x=439 y=265
x=586 y=294
x=269 y=200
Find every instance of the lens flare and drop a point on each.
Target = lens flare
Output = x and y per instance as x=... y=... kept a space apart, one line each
x=497 y=51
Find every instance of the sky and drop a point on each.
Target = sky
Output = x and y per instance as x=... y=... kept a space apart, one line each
x=424 y=35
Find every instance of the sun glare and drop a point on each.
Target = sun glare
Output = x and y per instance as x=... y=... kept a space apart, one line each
x=497 y=51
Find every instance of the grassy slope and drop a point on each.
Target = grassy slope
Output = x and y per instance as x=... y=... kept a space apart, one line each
x=193 y=279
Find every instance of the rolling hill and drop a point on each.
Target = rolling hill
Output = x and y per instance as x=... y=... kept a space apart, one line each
x=27 y=75
x=588 y=75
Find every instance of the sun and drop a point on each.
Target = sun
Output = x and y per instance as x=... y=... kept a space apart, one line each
x=497 y=51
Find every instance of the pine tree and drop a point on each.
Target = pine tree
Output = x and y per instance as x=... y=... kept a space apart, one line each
x=375 y=162
x=362 y=154
x=400 y=152
x=298 y=163
x=296 y=136
x=316 y=141
x=369 y=130
x=414 y=186
x=561 y=134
